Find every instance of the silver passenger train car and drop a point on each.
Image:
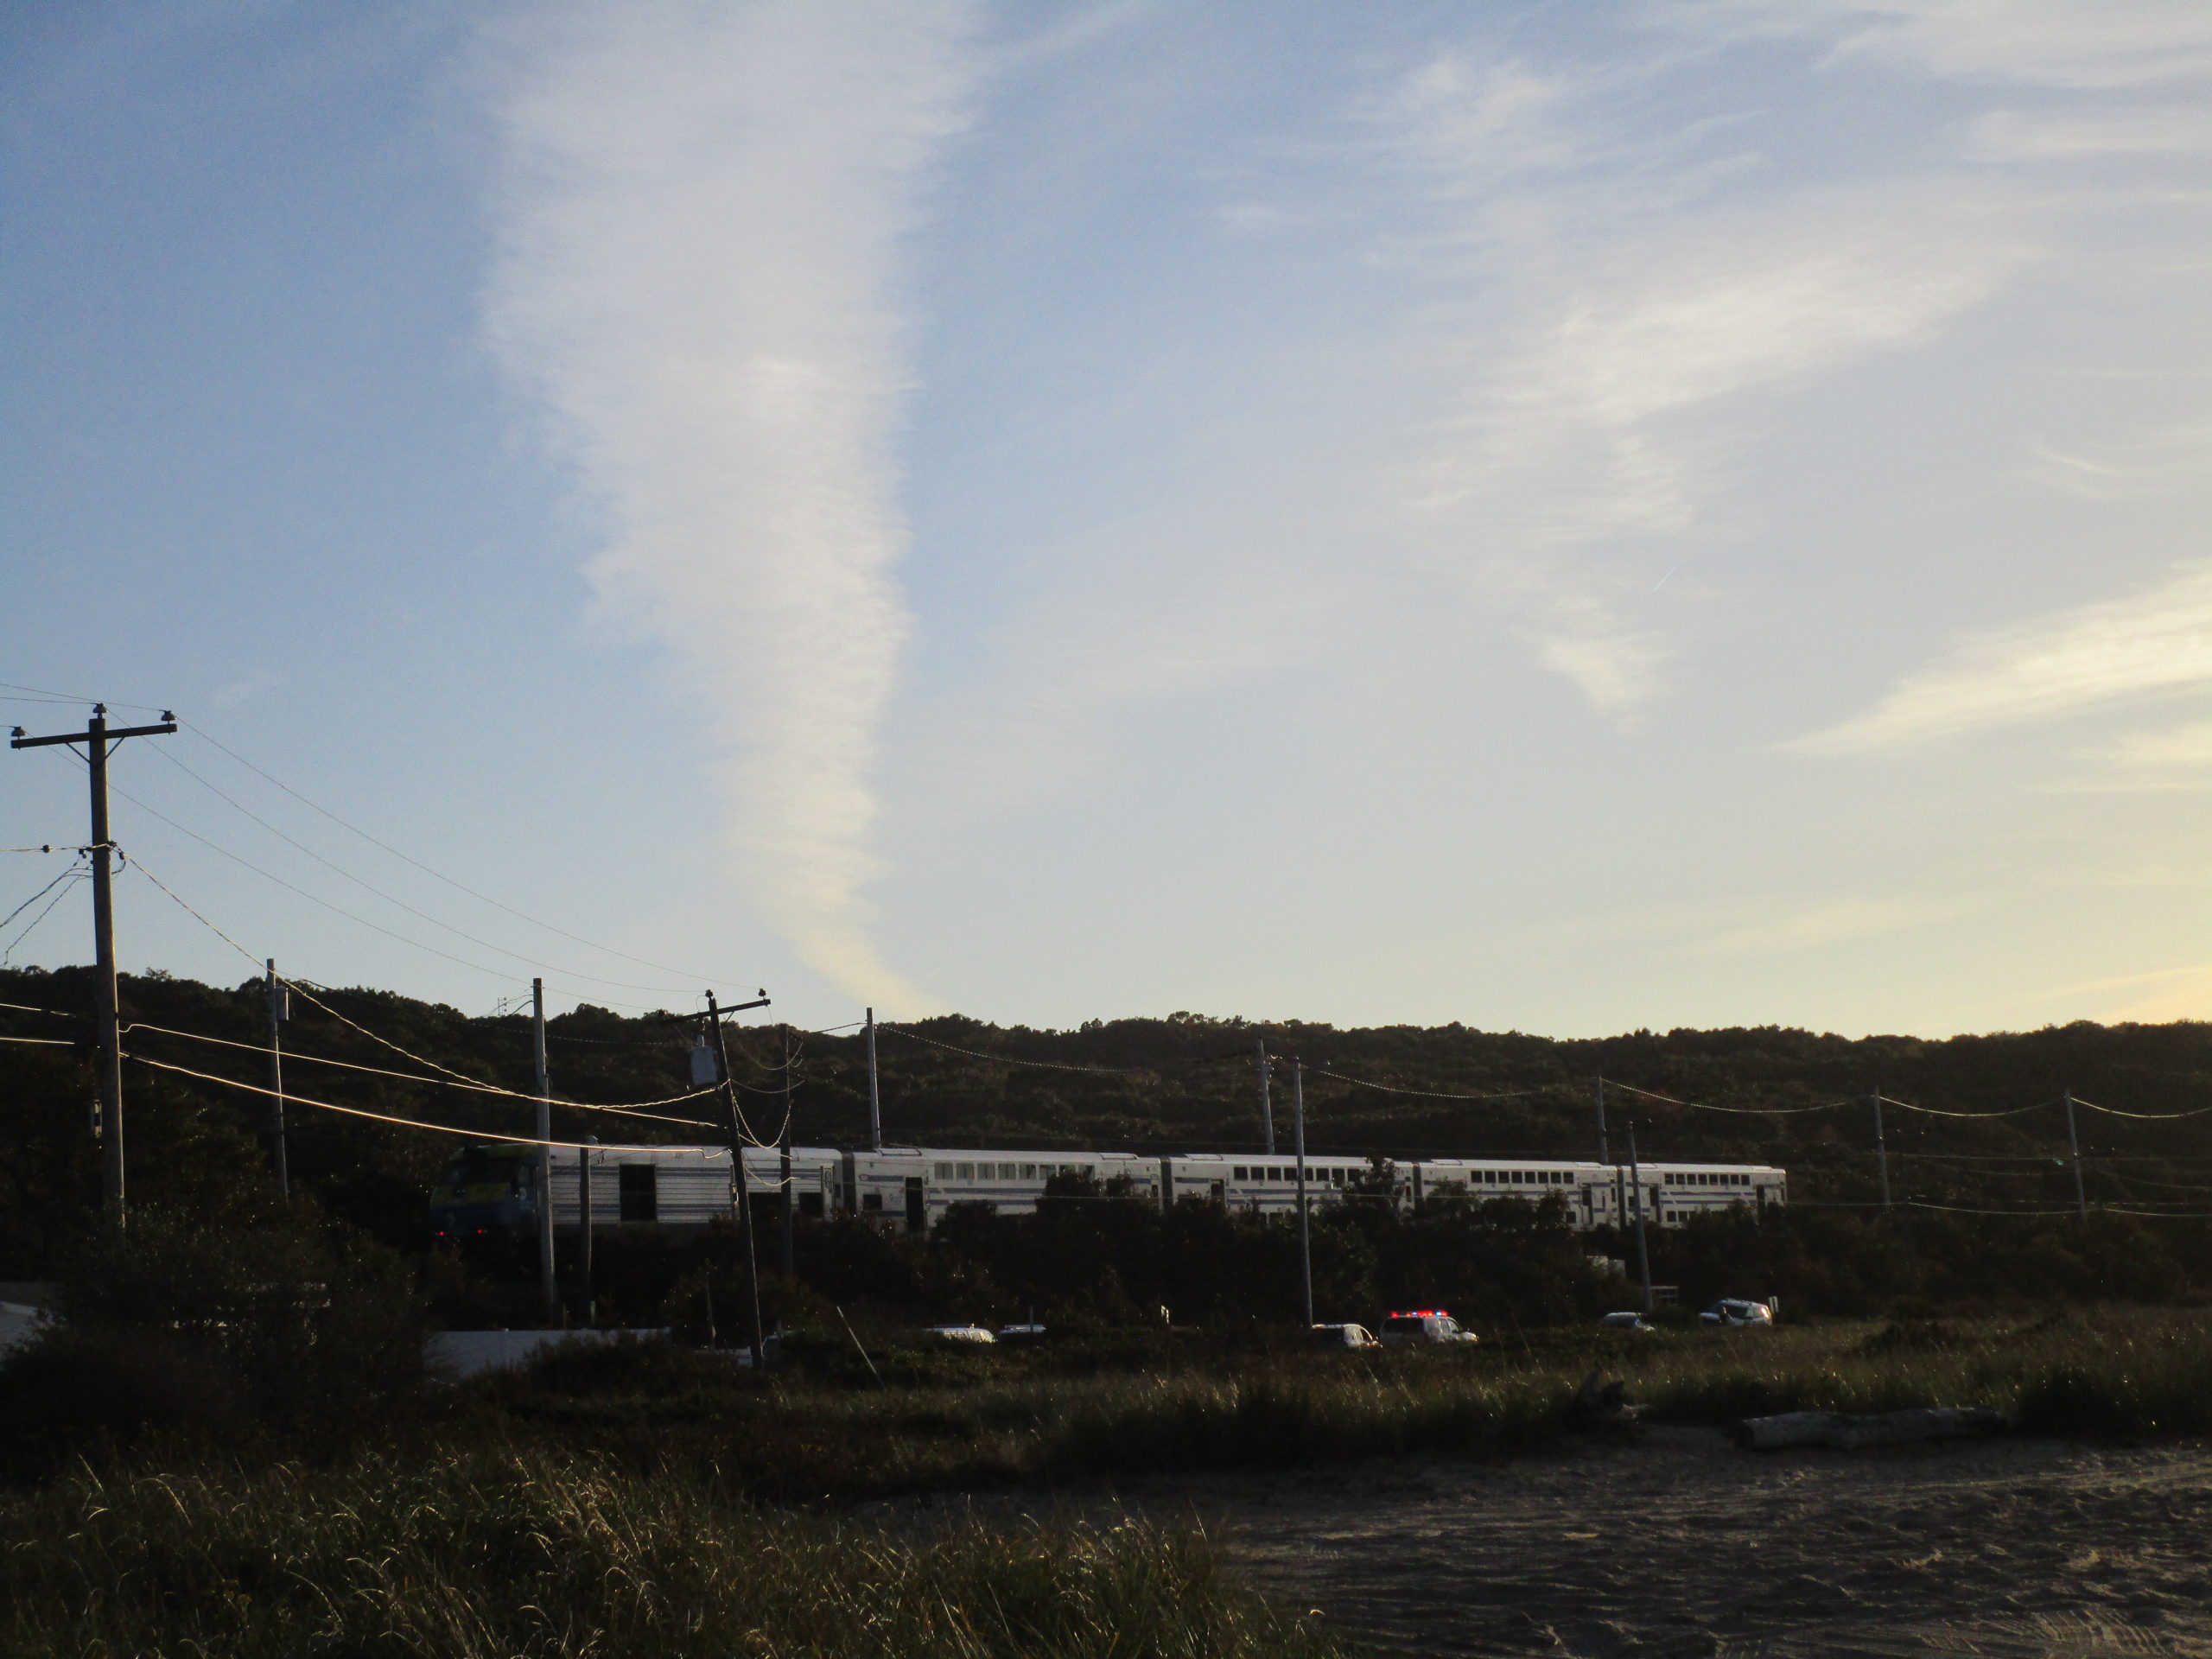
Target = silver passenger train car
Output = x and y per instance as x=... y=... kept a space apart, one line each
x=492 y=1190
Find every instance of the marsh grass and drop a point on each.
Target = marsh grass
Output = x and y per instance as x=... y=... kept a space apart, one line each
x=2127 y=1373
x=484 y=1555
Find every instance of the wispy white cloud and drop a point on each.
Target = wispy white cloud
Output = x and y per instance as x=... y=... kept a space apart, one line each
x=2128 y=466
x=1615 y=416
x=2159 y=641
x=2014 y=136
x=699 y=271
x=2075 y=43
x=1838 y=923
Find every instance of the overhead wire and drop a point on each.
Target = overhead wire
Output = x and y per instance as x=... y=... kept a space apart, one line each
x=391 y=899
x=1739 y=1111
x=48 y=1042
x=202 y=733
x=2140 y=1117
x=1426 y=1094
x=63 y=696
x=387 y=1117
x=40 y=894
x=336 y=910
x=633 y=1108
x=66 y=879
x=1008 y=1059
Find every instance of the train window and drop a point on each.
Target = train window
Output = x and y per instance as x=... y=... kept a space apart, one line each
x=637 y=1191
x=965 y=1172
x=1336 y=1176
x=1029 y=1172
x=944 y=1172
x=1241 y=1173
x=872 y=1203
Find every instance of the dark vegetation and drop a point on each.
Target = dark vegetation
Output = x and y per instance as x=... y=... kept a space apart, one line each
x=1179 y=1083
x=228 y=1442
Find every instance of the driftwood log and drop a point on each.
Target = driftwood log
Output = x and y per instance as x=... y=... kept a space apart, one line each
x=1844 y=1431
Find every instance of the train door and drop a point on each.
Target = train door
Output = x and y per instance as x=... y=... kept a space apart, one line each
x=637 y=1191
x=917 y=1210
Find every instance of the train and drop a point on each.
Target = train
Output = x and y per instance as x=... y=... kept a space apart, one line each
x=491 y=1191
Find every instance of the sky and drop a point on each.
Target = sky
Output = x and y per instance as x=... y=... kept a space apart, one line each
x=1561 y=518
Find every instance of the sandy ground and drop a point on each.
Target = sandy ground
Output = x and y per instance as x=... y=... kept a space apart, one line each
x=1680 y=1544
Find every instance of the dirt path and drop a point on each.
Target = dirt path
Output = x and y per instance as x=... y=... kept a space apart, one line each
x=1681 y=1545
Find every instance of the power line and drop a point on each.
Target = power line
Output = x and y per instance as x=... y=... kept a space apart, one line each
x=201 y=732
x=1735 y=1111
x=70 y=876
x=40 y=894
x=1426 y=1094
x=63 y=696
x=391 y=899
x=387 y=1117
x=1007 y=1060
x=2144 y=1117
x=339 y=910
x=635 y=1108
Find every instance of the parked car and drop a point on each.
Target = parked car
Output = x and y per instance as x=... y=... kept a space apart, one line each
x=1424 y=1327
x=1344 y=1336
x=960 y=1333
x=1728 y=1310
x=1627 y=1321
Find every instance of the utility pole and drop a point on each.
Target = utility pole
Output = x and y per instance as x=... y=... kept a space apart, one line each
x=1266 y=1107
x=1882 y=1151
x=548 y=1287
x=108 y=1033
x=583 y=1240
x=280 y=1008
x=740 y=1195
x=1635 y=1187
x=1604 y=1153
x=874 y=1099
x=787 y=1256
x=1304 y=1230
x=2074 y=1143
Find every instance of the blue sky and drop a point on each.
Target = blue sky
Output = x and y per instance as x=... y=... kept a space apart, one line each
x=1561 y=518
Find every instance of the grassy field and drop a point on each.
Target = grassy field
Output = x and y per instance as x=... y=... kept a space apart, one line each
x=983 y=1420
x=647 y=1499
x=481 y=1556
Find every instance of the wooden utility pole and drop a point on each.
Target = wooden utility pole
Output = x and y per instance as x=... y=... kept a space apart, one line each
x=1882 y=1151
x=108 y=1034
x=786 y=1253
x=740 y=1195
x=1635 y=1190
x=1604 y=1151
x=583 y=1236
x=548 y=1285
x=875 y=1100
x=1304 y=1229
x=279 y=1009
x=2073 y=1146
x=1266 y=1107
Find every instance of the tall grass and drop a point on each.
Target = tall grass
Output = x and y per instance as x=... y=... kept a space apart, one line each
x=480 y=1555
x=2131 y=1373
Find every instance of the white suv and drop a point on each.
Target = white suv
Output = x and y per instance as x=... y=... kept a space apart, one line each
x=1423 y=1327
